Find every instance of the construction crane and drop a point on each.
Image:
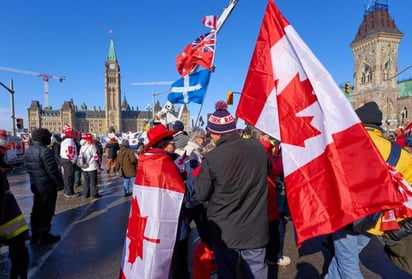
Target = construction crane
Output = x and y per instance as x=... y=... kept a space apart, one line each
x=44 y=76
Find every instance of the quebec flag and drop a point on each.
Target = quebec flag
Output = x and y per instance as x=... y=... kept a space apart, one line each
x=190 y=88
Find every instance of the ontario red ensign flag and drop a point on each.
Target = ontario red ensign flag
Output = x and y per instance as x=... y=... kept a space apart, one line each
x=200 y=52
x=333 y=172
x=155 y=207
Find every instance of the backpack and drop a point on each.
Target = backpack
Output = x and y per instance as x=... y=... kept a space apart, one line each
x=82 y=161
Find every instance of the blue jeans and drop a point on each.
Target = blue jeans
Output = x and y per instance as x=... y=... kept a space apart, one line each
x=248 y=262
x=128 y=183
x=345 y=263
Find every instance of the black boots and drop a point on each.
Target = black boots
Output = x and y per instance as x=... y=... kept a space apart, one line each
x=48 y=239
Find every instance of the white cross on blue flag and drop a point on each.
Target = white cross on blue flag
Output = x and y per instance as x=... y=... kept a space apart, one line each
x=190 y=88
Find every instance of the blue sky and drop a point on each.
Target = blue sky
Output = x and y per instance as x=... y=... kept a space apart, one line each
x=70 y=38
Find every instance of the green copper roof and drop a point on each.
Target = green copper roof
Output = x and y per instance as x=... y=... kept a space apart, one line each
x=112 y=53
x=405 y=88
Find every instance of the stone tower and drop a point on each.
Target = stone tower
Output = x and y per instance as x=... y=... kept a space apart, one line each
x=112 y=92
x=375 y=50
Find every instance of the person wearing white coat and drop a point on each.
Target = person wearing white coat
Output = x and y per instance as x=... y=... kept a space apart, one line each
x=89 y=152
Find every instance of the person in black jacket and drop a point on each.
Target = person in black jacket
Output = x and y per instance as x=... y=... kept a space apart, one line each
x=45 y=181
x=112 y=147
x=233 y=180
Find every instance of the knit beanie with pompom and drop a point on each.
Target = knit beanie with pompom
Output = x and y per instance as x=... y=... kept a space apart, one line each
x=221 y=121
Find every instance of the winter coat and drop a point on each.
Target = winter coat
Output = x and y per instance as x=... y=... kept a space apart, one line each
x=395 y=156
x=99 y=148
x=392 y=153
x=194 y=159
x=43 y=170
x=233 y=179
x=89 y=151
x=68 y=150
x=127 y=161
x=112 y=148
x=400 y=253
x=12 y=222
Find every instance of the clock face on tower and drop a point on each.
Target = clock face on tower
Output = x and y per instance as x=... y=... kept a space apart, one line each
x=111 y=66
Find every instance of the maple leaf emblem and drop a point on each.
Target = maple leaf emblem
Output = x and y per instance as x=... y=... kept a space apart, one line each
x=135 y=232
x=297 y=96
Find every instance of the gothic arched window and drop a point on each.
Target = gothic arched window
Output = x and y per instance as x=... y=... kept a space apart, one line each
x=366 y=75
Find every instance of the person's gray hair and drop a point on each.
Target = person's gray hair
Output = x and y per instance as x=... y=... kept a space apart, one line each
x=197 y=132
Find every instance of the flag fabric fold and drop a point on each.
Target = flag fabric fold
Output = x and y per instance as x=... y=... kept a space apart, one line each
x=200 y=52
x=190 y=88
x=327 y=154
x=210 y=21
x=153 y=220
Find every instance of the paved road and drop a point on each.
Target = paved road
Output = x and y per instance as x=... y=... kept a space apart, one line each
x=93 y=233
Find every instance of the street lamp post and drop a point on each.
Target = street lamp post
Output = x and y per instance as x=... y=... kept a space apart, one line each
x=13 y=118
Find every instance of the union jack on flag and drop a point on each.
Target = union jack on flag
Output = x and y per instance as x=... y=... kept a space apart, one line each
x=200 y=52
x=205 y=43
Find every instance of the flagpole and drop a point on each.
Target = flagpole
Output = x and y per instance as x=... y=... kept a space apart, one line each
x=222 y=19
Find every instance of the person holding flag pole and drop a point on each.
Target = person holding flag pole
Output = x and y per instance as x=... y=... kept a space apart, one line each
x=153 y=227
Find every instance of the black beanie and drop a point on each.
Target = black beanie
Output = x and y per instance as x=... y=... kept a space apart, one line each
x=42 y=136
x=178 y=126
x=370 y=113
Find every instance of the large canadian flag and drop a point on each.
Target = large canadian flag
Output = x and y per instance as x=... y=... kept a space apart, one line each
x=153 y=220
x=333 y=172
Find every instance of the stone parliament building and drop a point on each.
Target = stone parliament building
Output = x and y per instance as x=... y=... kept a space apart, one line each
x=116 y=117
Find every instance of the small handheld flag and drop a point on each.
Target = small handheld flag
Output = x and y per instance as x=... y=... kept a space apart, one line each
x=210 y=21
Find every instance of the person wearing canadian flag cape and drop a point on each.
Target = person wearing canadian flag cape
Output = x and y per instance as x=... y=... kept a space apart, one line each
x=152 y=248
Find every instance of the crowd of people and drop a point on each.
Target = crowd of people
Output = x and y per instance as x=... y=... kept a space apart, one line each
x=234 y=193
x=55 y=163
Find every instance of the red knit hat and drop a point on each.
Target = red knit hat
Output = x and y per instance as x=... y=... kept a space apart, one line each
x=87 y=137
x=68 y=131
x=221 y=121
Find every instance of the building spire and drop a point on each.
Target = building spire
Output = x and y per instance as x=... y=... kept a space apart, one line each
x=376 y=20
x=112 y=53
